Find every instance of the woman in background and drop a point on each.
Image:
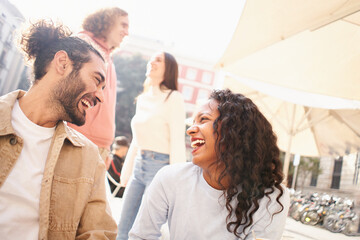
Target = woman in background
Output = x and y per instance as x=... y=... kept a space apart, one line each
x=158 y=129
x=231 y=190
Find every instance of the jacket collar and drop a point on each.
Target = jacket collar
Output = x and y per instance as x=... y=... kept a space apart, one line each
x=6 y=105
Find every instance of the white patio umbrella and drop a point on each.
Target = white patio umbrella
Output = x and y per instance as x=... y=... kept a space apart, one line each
x=307 y=45
x=305 y=124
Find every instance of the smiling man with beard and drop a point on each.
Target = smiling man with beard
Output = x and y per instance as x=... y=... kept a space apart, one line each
x=105 y=30
x=68 y=92
x=52 y=177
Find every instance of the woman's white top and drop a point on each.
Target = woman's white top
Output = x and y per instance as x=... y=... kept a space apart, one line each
x=195 y=210
x=158 y=125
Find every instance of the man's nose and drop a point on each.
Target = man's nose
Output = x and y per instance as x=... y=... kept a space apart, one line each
x=100 y=95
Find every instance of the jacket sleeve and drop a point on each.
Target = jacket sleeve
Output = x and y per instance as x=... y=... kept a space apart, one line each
x=128 y=167
x=177 y=128
x=97 y=221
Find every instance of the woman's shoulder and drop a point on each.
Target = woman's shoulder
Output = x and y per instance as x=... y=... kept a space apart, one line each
x=178 y=170
x=175 y=95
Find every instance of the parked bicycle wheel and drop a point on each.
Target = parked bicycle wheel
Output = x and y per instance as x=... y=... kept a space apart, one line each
x=310 y=218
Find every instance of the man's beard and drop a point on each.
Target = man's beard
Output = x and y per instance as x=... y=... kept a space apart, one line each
x=67 y=95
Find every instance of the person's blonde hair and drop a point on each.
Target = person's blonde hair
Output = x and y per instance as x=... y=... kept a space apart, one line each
x=100 y=22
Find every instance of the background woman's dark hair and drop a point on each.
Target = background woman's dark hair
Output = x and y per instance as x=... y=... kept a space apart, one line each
x=44 y=39
x=171 y=73
x=246 y=147
x=101 y=21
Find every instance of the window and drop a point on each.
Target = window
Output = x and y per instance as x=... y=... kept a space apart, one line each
x=335 y=183
x=180 y=69
x=203 y=94
x=207 y=78
x=187 y=92
x=357 y=167
x=2 y=57
x=1 y=27
x=191 y=74
x=315 y=174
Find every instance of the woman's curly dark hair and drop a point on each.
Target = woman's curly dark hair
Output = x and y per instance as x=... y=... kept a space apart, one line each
x=246 y=148
x=101 y=21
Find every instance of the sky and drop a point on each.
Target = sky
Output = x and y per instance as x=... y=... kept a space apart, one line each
x=200 y=29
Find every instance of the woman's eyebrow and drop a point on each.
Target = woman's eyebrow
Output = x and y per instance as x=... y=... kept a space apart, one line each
x=202 y=114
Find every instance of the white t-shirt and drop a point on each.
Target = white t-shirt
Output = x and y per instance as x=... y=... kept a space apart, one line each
x=195 y=210
x=20 y=193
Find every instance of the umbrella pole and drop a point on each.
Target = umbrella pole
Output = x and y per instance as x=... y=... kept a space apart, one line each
x=294 y=177
x=287 y=154
x=287 y=161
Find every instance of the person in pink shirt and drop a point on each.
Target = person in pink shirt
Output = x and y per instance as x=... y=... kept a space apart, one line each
x=104 y=29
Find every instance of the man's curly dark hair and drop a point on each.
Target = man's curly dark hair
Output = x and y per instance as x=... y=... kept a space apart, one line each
x=247 y=151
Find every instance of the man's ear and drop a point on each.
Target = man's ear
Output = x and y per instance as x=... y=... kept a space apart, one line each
x=62 y=62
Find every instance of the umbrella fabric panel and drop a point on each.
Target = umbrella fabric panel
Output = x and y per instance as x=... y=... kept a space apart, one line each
x=325 y=61
x=313 y=131
x=321 y=56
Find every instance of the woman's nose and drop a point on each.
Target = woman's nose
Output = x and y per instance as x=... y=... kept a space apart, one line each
x=192 y=130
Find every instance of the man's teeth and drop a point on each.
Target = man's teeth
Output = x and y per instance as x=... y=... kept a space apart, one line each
x=87 y=103
x=196 y=142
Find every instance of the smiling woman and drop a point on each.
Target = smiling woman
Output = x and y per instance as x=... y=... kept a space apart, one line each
x=233 y=186
x=203 y=140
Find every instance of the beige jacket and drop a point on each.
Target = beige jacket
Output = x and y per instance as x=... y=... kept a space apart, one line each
x=72 y=200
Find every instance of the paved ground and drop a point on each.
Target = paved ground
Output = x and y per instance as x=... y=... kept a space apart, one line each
x=294 y=230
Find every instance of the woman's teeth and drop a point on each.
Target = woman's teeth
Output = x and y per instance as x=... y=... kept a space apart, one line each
x=197 y=143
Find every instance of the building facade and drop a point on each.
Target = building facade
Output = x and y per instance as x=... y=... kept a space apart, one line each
x=11 y=60
x=339 y=176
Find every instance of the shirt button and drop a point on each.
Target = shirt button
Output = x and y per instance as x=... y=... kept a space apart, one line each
x=13 y=141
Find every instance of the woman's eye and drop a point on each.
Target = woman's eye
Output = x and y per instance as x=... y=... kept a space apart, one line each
x=203 y=119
